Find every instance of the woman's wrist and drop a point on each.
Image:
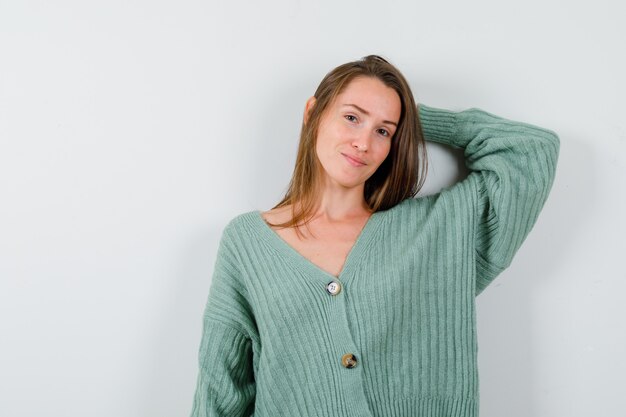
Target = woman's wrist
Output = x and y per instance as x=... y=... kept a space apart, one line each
x=439 y=125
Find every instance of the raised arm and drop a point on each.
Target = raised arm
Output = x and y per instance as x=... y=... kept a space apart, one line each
x=512 y=167
x=225 y=383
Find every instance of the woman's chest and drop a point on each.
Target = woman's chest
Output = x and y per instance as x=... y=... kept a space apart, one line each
x=327 y=252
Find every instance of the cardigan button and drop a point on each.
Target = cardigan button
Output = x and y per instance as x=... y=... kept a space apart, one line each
x=348 y=360
x=333 y=288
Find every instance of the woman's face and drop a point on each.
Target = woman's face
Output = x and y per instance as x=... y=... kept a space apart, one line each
x=359 y=124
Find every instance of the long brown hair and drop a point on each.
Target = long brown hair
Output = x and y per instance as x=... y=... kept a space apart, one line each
x=400 y=176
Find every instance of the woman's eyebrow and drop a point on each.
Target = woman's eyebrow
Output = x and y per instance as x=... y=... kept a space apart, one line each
x=362 y=110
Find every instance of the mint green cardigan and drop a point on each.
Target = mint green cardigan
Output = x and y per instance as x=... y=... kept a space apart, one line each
x=395 y=334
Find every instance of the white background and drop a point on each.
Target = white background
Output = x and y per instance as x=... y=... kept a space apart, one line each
x=132 y=131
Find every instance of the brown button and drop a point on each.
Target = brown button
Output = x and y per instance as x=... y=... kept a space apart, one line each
x=333 y=287
x=348 y=360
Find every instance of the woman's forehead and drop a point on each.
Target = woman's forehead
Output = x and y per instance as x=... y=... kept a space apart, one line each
x=370 y=95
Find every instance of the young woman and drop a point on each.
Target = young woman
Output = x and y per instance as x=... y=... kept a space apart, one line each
x=351 y=297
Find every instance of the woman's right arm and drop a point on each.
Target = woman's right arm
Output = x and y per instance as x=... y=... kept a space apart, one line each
x=225 y=383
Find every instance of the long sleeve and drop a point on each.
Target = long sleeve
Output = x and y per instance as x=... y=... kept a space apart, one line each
x=225 y=384
x=512 y=167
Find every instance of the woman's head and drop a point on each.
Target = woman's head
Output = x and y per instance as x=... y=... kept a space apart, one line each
x=358 y=124
x=400 y=175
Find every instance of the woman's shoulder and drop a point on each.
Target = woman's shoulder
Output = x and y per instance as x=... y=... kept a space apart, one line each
x=277 y=214
x=456 y=199
x=408 y=210
x=244 y=223
x=241 y=222
x=412 y=203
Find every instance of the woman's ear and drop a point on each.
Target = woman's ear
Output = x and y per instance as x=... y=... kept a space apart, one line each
x=307 y=108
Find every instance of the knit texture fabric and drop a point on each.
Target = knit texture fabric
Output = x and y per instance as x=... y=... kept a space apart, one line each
x=274 y=337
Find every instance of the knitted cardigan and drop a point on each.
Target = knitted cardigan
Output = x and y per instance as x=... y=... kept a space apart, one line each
x=395 y=333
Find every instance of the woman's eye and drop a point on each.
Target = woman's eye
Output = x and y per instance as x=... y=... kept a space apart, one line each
x=350 y=116
x=383 y=132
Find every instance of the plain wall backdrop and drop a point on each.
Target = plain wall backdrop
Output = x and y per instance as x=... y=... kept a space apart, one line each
x=131 y=132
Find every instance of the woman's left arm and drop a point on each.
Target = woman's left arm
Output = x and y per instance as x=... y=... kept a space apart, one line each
x=512 y=167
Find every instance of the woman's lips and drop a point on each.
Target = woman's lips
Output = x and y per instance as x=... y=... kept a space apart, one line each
x=352 y=161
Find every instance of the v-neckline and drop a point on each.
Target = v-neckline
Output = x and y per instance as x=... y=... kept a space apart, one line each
x=304 y=264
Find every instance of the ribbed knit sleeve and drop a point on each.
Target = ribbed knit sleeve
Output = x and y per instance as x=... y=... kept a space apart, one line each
x=512 y=167
x=225 y=384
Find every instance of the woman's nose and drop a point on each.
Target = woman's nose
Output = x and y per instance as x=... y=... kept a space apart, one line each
x=361 y=140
